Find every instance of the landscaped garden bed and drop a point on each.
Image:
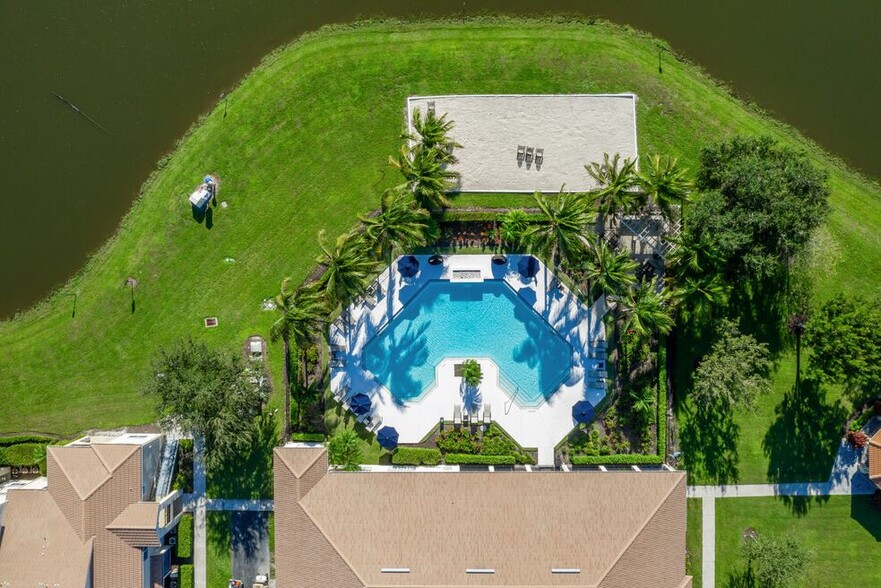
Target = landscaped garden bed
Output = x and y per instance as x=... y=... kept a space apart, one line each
x=460 y=445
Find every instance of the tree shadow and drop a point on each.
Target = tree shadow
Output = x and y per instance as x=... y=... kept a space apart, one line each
x=762 y=309
x=802 y=442
x=248 y=473
x=863 y=510
x=708 y=439
x=740 y=578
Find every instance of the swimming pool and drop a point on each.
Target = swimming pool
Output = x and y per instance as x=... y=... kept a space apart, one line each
x=469 y=320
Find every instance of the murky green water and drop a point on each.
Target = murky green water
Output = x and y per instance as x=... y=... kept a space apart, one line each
x=145 y=70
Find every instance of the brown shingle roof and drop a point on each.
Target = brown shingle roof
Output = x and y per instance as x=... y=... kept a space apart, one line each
x=39 y=547
x=618 y=529
x=139 y=515
x=875 y=458
x=82 y=467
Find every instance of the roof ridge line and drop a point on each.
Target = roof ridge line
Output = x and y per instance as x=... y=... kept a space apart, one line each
x=307 y=468
x=331 y=543
x=72 y=485
x=641 y=528
x=110 y=472
x=107 y=465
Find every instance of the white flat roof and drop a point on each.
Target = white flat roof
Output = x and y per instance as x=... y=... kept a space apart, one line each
x=573 y=129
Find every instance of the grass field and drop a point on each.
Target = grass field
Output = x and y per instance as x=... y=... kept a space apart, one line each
x=304 y=147
x=694 y=541
x=843 y=534
x=219 y=548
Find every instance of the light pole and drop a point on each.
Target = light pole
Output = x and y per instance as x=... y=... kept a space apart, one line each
x=661 y=50
x=131 y=283
x=223 y=98
x=463 y=12
x=73 y=312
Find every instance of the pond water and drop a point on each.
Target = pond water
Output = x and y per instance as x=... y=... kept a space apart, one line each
x=145 y=70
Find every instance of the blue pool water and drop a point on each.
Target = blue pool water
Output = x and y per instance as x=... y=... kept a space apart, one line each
x=454 y=319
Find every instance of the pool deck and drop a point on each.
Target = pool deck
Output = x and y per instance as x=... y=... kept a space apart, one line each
x=542 y=426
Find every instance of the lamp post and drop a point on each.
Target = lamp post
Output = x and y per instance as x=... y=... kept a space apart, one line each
x=661 y=50
x=223 y=98
x=131 y=283
x=463 y=12
x=73 y=312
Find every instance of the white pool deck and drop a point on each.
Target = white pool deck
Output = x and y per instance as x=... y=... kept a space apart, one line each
x=573 y=129
x=542 y=426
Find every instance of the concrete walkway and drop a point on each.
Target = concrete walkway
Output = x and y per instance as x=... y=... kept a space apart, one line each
x=846 y=479
x=238 y=505
x=200 y=558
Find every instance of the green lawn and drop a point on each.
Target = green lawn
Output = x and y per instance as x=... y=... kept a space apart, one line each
x=304 y=147
x=694 y=540
x=219 y=548
x=843 y=533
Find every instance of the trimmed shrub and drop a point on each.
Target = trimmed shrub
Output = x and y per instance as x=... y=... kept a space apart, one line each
x=457 y=441
x=7 y=441
x=23 y=454
x=619 y=459
x=662 y=399
x=308 y=437
x=416 y=456
x=468 y=459
x=185 y=537
x=185 y=575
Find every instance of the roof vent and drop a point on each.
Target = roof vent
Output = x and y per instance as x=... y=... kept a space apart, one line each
x=565 y=570
x=480 y=571
x=395 y=570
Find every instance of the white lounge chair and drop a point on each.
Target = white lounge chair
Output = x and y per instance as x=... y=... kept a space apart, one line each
x=486 y=414
x=457 y=414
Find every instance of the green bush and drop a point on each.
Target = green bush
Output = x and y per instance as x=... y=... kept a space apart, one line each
x=662 y=399
x=469 y=459
x=23 y=454
x=185 y=575
x=457 y=441
x=308 y=437
x=619 y=459
x=7 y=441
x=524 y=458
x=185 y=537
x=416 y=456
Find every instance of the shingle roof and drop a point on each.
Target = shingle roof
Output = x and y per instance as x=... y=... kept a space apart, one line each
x=39 y=547
x=875 y=458
x=618 y=529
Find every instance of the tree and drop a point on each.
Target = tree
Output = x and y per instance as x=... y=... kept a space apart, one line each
x=399 y=224
x=513 y=228
x=559 y=235
x=608 y=270
x=211 y=394
x=735 y=371
x=697 y=296
x=616 y=181
x=471 y=373
x=776 y=562
x=759 y=204
x=344 y=450
x=348 y=268
x=647 y=310
x=845 y=344
x=666 y=184
x=303 y=314
x=426 y=175
x=433 y=131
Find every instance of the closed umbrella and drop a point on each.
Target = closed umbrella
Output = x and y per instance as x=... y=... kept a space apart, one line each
x=582 y=411
x=387 y=437
x=360 y=403
x=527 y=266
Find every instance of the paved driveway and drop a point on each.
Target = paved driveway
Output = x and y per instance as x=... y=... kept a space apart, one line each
x=250 y=545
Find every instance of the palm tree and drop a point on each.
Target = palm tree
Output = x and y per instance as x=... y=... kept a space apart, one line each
x=433 y=131
x=616 y=181
x=666 y=184
x=648 y=310
x=559 y=235
x=302 y=315
x=696 y=296
x=348 y=267
x=425 y=175
x=693 y=256
x=399 y=224
x=607 y=269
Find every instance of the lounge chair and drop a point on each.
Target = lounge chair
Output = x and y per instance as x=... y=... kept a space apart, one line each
x=375 y=423
x=521 y=152
x=341 y=393
x=529 y=152
x=431 y=106
x=457 y=414
x=539 y=155
x=599 y=374
x=597 y=384
x=337 y=361
x=486 y=414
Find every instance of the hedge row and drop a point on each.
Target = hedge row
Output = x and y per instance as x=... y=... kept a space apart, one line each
x=23 y=454
x=7 y=441
x=469 y=459
x=185 y=537
x=662 y=399
x=185 y=575
x=308 y=437
x=618 y=459
x=416 y=456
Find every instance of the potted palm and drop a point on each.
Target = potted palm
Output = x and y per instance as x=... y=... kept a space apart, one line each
x=471 y=373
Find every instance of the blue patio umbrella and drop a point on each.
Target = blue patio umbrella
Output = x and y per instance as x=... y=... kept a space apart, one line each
x=408 y=266
x=527 y=266
x=387 y=437
x=582 y=411
x=360 y=403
